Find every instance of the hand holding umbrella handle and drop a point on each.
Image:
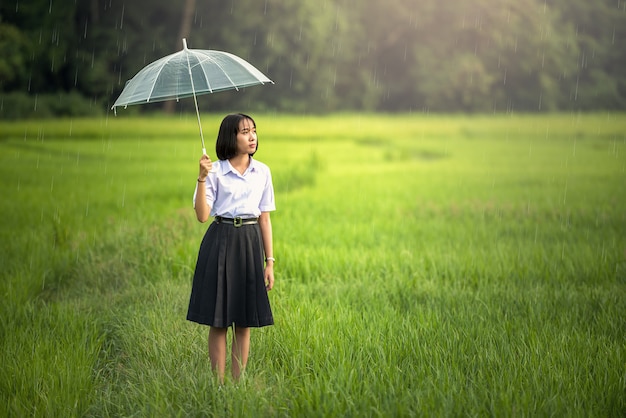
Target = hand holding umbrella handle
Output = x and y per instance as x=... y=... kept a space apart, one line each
x=213 y=168
x=204 y=166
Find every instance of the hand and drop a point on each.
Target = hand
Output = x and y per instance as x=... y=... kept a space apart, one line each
x=269 y=276
x=205 y=167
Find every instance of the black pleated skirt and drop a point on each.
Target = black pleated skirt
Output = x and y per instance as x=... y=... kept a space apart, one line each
x=228 y=285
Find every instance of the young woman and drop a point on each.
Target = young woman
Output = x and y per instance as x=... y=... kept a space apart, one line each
x=235 y=267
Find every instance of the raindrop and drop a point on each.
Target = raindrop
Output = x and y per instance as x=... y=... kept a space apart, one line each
x=50 y=8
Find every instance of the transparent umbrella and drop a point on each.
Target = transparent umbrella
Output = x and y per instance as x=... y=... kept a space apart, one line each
x=188 y=73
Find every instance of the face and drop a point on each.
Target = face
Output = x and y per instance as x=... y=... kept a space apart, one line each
x=246 y=137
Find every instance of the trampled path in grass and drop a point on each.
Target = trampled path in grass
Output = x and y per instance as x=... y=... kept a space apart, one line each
x=427 y=265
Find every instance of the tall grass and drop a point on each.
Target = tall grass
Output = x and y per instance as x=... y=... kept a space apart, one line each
x=427 y=265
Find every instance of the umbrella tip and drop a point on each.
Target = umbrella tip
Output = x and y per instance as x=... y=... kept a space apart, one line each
x=184 y=43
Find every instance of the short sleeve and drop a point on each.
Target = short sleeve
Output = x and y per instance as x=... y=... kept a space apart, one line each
x=267 y=203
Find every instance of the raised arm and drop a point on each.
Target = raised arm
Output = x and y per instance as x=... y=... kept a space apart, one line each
x=200 y=205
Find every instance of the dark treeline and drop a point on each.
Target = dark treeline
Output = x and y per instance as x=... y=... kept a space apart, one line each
x=72 y=57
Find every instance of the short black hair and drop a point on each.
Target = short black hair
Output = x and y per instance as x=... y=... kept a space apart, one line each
x=226 y=145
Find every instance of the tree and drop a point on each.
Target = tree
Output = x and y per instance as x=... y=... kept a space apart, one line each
x=14 y=50
x=490 y=57
x=185 y=28
x=40 y=43
x=597 y=80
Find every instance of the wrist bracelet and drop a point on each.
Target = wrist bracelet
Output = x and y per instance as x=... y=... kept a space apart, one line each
x=201 y=181
x=269 y=259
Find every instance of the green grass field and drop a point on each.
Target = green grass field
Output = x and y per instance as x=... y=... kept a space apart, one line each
x=427 y=265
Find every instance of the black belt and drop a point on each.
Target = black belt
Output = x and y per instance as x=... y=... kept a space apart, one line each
x=236 y=221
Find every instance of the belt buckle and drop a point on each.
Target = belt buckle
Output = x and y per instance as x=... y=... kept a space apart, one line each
x=237 y=221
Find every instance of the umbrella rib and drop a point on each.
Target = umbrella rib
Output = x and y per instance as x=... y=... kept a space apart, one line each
x=206 y=77
x=223 y=71
x=159 y=73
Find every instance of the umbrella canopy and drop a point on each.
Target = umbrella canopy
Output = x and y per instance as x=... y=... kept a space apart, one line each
x=188 y=73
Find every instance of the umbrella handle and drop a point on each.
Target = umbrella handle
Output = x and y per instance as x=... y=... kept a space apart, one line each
x=213 y=169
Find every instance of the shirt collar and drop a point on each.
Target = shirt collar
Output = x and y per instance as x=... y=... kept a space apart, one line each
x=228 y=167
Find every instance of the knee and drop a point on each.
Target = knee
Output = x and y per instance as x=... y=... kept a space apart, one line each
x=217 y=332
x=242 y=331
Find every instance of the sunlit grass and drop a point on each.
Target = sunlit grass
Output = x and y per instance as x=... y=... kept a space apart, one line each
x=427 y=265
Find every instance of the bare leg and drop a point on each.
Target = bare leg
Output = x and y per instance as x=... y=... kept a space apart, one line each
x=240 y=350
x=217 y=351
